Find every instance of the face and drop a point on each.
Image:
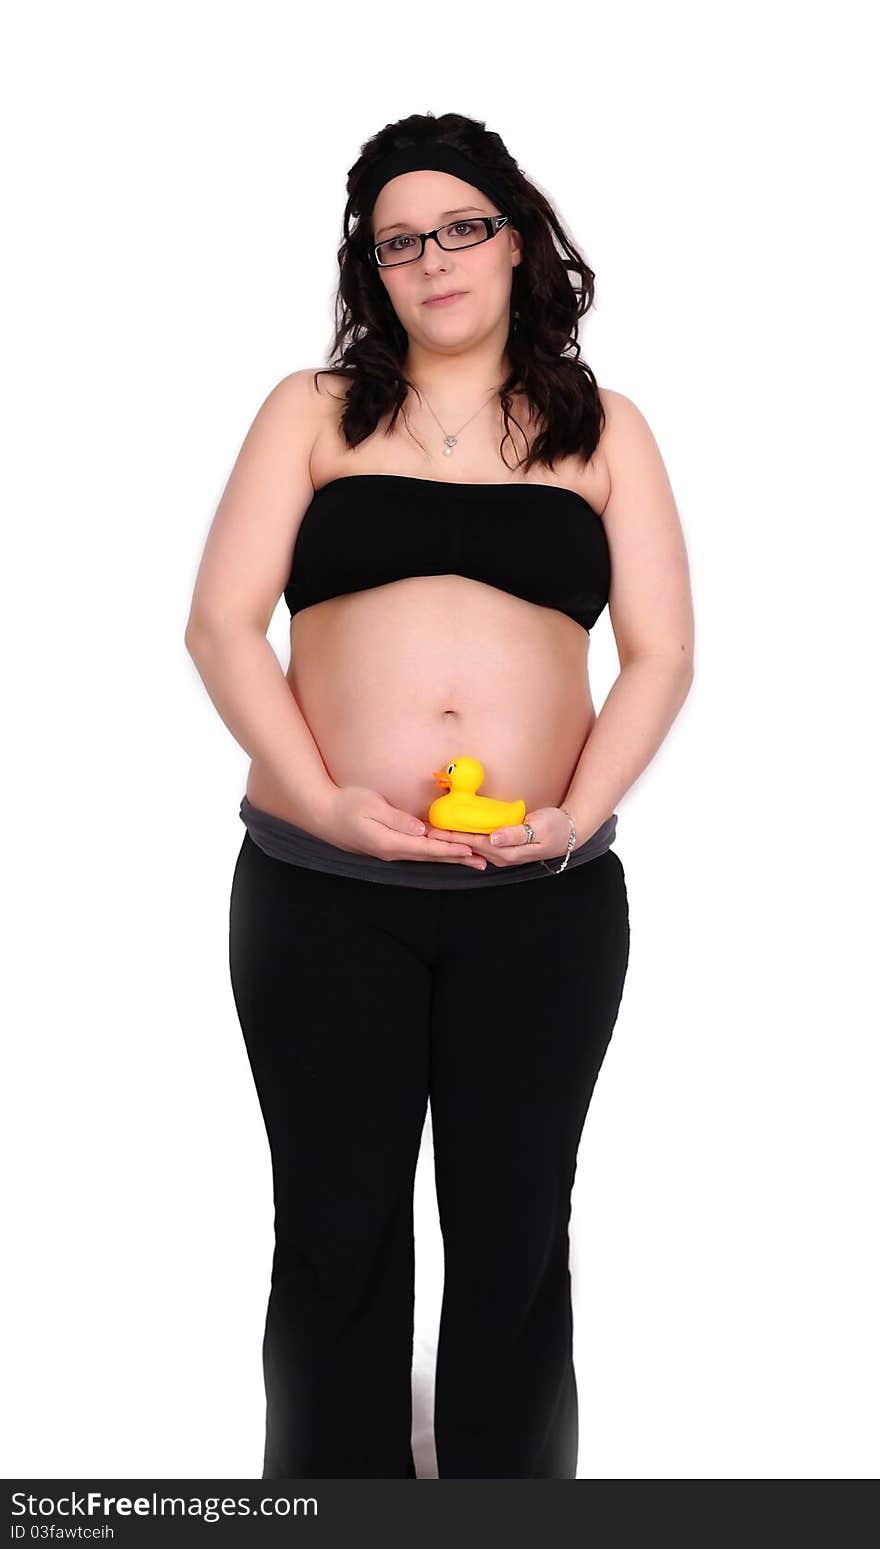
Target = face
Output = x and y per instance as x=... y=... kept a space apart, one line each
x=422 y=201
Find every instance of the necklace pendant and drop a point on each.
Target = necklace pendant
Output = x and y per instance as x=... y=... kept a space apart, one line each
x=450 y=443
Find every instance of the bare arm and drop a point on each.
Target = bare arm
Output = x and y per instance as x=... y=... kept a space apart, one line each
x=243 y=571
x=244 y=678
x=652 y=617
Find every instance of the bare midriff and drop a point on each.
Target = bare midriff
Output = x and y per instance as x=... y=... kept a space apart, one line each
x=397 y=680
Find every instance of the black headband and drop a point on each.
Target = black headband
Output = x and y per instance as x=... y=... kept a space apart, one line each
x=435 y=156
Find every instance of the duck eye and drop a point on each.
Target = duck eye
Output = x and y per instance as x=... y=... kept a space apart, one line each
x=450 y=768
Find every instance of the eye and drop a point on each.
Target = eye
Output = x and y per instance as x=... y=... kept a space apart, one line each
x=463 y=226
x=450 y=768
x=394 y=241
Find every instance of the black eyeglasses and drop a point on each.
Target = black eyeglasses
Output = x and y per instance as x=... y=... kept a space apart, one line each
x=410 y=245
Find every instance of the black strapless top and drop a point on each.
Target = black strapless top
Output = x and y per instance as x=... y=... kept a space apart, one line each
x=540 y=542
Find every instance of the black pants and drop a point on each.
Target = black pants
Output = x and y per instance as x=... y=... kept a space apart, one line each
x=358 y=1001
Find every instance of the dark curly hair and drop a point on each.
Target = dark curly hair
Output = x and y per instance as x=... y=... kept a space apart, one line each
x=370 y=343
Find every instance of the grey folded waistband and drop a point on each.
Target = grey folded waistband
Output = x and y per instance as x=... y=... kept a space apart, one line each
x=286 y=842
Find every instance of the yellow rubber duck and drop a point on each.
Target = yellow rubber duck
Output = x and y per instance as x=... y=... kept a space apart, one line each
x=462 y=809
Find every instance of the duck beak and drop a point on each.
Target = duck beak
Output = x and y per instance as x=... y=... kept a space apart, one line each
x=443 y=781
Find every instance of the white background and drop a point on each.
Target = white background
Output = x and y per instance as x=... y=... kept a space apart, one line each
x=175 y=178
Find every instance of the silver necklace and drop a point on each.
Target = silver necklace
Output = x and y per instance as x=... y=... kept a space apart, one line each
x=450 y=440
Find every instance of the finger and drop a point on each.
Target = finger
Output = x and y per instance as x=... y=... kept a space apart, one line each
x=425 y=849
x=466 y=859
x=455 y=856
x=480 y=843
x=449 y=835
x=502 y=853
x=454 y=841
x=480 y=846
x=509 y=838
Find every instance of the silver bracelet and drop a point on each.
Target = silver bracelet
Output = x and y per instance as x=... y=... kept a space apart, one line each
x=555 y=870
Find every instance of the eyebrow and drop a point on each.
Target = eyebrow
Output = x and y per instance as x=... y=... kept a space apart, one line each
x=399 y=225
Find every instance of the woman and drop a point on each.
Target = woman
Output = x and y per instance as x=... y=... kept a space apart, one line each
x=441 y=600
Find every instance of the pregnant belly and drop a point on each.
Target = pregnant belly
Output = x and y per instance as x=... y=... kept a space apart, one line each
x=397 y=681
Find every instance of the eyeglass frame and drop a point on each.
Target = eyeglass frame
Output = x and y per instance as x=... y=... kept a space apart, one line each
x=496 y=222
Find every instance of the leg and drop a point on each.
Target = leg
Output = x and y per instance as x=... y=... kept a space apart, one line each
x=334 y=1008
x=525 y=1002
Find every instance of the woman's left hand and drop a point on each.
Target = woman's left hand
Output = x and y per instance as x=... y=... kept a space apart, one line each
x=509 y=846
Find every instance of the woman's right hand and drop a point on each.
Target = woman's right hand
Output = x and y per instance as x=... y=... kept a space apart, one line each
x=360 y=819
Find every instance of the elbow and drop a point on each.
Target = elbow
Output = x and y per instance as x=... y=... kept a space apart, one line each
x=681 y=664
x=678 y=664
x=198 y=634
x=673 y=675
x=191 y=637
x=684 y=669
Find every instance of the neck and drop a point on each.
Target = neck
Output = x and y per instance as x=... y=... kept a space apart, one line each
x=457 y=382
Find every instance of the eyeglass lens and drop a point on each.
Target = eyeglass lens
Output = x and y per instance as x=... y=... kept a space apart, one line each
x=406 y=247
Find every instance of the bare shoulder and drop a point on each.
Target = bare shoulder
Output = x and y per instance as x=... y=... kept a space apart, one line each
x=306 y=390
x=619 y=416
x=313 y=387
x=629 y=451
x=326 y=393
x=328 y=385
x=307 y=402
x=247 y=554
x=625 y=424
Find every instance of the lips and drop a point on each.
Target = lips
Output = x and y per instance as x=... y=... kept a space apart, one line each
x=444 y=296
